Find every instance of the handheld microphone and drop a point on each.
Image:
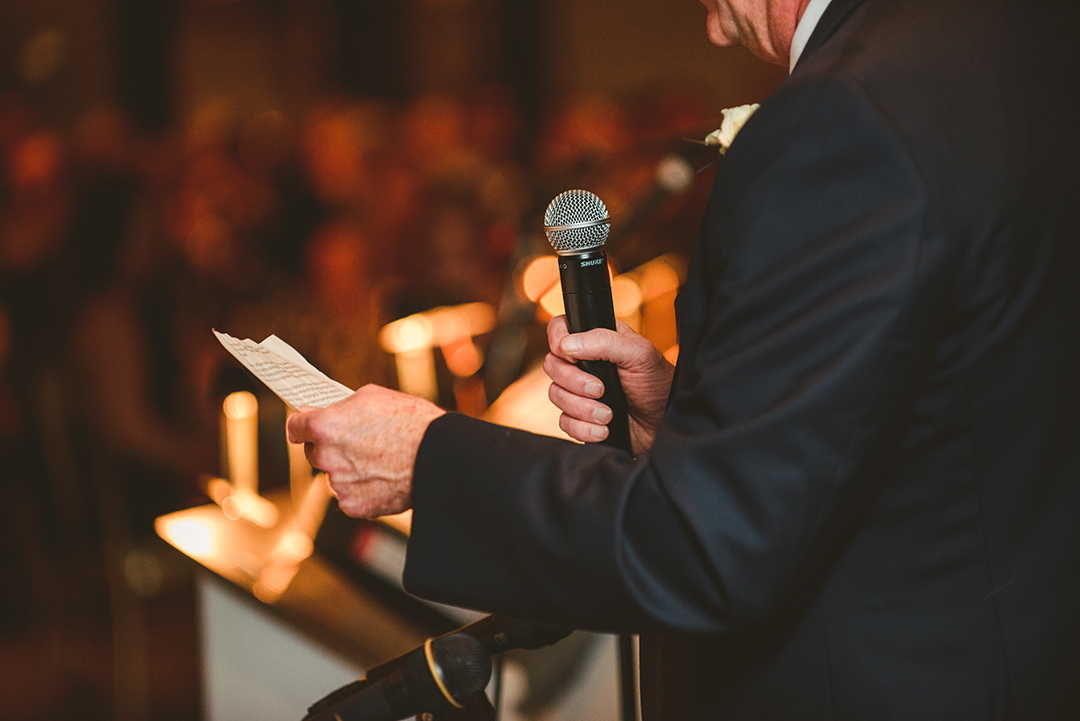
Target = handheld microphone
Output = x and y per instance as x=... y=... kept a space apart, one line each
x=444 y=673
x=577 y=225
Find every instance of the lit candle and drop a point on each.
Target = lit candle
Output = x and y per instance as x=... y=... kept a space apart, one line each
x=416 y=373
x=242 y=441
x=410 y=340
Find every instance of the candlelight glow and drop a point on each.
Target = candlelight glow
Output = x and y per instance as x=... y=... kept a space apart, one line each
x=241 y=405
x=407 y=335
x=242 y=441
x=463 y=358
x=250 y=507
x=273 y=581
x=218 y=489
x=626 y=297
x=453 y=324
x=541 y=275
x=657 y=278
x=551 y=303
x=416 y=373
x=193 y=537
x=448 y=325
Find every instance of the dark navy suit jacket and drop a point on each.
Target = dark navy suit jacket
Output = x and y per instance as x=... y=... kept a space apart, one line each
x=864 y=499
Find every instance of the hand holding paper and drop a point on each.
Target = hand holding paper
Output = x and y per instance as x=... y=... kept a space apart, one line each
x=366 y=442
x=367 y=445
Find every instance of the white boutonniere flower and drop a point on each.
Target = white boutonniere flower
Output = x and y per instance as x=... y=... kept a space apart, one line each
x=734 y=119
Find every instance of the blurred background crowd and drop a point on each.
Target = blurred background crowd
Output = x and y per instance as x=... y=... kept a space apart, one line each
x=314 y=170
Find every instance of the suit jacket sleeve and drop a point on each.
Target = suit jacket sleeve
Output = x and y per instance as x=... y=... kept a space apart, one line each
x=811 y=310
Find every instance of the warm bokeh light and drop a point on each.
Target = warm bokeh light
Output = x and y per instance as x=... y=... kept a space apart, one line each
x=626 y=296
x=273 y=581
x=407 y=335
x=241 y=411
x=551 y=304
x=410 y=339
x=416 y=373
x=250 y=507
x=192 y=536
x=439 y=326
x=657 y=278
x=241 y=405
x=453 y=324
x=540 y=276
x=218 y=489
x=479 y=316
x=293 y=547
x=452 y=329
x=448 y=325
x=463 y=358
x=35 y=162
x=232 y=508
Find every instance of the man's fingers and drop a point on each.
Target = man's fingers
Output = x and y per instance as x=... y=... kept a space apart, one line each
x=369 y=499
x=556 y=331
x=619 y=347
x=584 y=409
x=296 y=427
x=595 y=344
x=572 y=378
x=582 y=431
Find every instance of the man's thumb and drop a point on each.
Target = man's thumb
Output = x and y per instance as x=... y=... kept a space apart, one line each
x=590 y=345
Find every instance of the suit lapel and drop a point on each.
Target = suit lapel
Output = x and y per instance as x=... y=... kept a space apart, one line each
x=831 y=20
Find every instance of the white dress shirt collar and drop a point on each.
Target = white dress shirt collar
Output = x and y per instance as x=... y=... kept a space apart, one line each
x=805 y=29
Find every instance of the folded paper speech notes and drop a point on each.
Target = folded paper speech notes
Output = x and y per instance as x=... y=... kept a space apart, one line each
x=285 y=371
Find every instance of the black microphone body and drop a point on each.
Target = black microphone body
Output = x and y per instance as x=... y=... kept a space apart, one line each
x=577 y=226
x=586 y=288
x=444 y=673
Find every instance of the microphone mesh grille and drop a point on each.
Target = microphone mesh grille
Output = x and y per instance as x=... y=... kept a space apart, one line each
x=465 y=665
x=572 y=207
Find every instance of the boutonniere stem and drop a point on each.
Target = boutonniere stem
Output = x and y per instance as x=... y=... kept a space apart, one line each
x=724 y=136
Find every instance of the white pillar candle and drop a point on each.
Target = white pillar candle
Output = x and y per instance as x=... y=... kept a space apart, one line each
x=242 y=441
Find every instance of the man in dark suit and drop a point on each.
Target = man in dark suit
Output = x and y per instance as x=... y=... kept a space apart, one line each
x=861 y=498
